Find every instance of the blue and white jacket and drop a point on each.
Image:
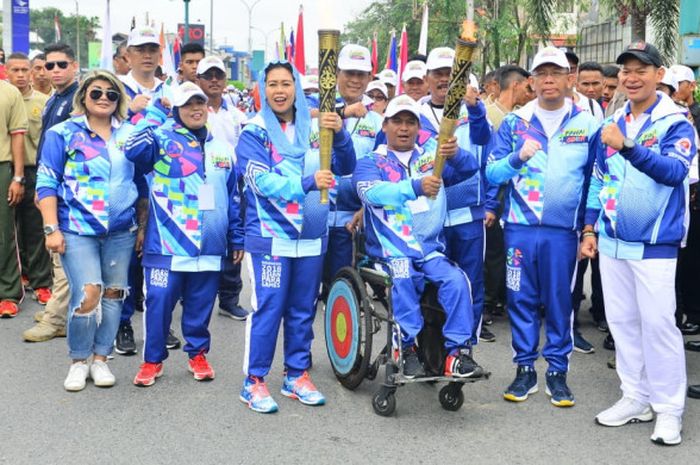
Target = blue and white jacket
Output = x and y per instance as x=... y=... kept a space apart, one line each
x=133 y=88
x=93 y=182
x=639 y=198
x=184 y=234
x=399 y=220
x=284 y=216
x=550 y=188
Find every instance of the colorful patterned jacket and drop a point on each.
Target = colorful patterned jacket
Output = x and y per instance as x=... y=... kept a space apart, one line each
x=550 y=188
x=93 y=182
x=639 y=197
x=194 y=204
x=284 y=216
x=399 y=220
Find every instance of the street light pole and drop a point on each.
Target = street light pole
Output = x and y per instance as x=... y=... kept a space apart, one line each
x=211 y=27
x=77 y=30
x=250 y=23
x=187 y=22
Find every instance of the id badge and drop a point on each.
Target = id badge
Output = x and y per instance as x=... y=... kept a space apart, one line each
x=206 y=197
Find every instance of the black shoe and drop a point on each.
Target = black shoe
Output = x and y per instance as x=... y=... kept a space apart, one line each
x=690 y=329
x=609 y=342
x=693 y=346
x=581 y=345
x=460 y=364
x=237 y=312
x=412 y=366
x=694 y=391
x=602 y=326
x=486 y=336
x=172 y=342
x=124 y=344
x=487 y=319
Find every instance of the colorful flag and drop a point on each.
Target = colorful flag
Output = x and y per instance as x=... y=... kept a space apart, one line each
x=57 y=27
x=290 y=47
x=282 y=44
x=299 y=58
x=375 y=58
x=168 y=63
x=423 y=41
x=391 y=55
x=106 y=53
x=176 y=53
x=403 y=57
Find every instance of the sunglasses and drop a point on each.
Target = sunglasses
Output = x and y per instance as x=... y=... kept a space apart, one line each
x=211 y=75
x=50 y=65
x=96 y=94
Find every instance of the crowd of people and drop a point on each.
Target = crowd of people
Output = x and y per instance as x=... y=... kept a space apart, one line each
x=125 y=194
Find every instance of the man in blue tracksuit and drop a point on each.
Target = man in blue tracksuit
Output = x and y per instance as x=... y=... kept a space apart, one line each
x=638 y=203
x=468 y=200
x=404 y=213
x=354 y=73
x=194 y=223
x=542 y=152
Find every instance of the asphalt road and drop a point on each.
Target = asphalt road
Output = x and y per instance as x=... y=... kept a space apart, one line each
x=181 y=421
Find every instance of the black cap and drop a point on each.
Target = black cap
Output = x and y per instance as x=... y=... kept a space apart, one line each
x=642 y=51
x=570 y=55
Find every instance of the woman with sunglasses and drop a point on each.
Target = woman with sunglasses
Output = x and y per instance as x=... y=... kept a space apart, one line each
x=286 y=231
x=86 y=194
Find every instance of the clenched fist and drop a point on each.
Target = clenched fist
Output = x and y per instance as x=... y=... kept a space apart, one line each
x=430 y=185
x=612 y=136
x=529 y=148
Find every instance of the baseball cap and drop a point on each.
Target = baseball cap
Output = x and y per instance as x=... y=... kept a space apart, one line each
x=355 y=57
x=388 y=77
x=207 y=63
x=378 y=85
x=414 y=69
x=440 y=57
x=185 y=91
x=550 y=55
x=570 y=55
x=402 y=103
x=309 y=82
x=682 y=73
x=642 y=51
x=141 y=36
x=670 y=79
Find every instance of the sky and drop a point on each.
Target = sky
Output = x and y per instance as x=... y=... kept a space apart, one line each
x=230 y=17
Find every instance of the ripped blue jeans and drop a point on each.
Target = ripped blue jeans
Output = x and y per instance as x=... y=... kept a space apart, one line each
x=102 y=261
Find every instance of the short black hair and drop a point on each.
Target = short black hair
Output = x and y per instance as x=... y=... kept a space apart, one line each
x=490 y=76
x=590 y=66
x=60 y=48
x=39 y=56
x=120 y=47
x=192 y=47
x=279 y=64
x=611 y=71
x=18 y=56
x=509 y=73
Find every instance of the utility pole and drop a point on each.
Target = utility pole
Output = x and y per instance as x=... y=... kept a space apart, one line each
x=77 y=31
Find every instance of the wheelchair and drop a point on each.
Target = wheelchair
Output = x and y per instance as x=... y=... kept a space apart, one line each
x=353 y=317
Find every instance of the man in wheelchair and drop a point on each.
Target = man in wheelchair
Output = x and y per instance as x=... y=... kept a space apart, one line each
x=405 y=209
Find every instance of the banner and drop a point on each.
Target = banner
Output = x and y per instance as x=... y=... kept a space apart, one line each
x=20 y=26
x=196 y=34
x=94 y=55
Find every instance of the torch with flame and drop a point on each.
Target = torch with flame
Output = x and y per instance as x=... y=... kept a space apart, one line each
x=459 y=77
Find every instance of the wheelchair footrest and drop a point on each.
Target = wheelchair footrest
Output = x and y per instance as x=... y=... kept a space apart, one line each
x=399 y=379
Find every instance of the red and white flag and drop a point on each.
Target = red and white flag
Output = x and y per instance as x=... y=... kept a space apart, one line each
x=57 y=27
x=299 y=58
x=403 y=57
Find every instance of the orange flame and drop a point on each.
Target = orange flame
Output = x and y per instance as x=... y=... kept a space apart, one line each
x=468 y=31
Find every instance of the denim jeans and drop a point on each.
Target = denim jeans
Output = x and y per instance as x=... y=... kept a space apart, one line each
x=102 y=261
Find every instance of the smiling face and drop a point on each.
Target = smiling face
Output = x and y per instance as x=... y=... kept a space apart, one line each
x=639 y=80
x=101 y=106
x=194 y=113
x=280 y=92
x=416 y=88
x=352 y=84
x=401 y=131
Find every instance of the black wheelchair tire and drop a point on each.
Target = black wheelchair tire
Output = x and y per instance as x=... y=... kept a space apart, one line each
x=451 y=397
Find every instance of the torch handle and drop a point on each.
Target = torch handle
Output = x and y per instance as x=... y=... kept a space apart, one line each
x=325 y=144
x=447 y=130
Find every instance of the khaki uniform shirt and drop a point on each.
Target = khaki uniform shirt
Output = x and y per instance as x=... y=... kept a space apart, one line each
x=13 y=118
x=34 y=103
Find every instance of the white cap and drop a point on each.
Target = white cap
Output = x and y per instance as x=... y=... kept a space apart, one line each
x=377 y=85
x=670 y=79
x=355 y=57
x=207 y=63
x=550 y=55
x=309 y=82
x=388 y=77
x=682 y=73
x=402 y=103
x=185 y=91
x=473 y=81
x=414 y=69
x=441 y=57
x=141 y=36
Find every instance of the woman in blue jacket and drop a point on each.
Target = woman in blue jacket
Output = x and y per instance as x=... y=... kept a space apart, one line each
x=286 y=231
x=86 y=193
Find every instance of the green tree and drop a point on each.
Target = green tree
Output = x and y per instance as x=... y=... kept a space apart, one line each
x=42 y=22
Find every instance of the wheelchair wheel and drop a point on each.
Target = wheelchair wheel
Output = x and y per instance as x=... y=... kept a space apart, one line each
x=384 y=402
x=452 y=397
x=348 y=324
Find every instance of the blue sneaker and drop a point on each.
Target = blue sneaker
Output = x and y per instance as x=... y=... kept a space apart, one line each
x=255 y=393
x=236 y=312
x=302 y=388
x=524 y=384
x=581 y=345
x=557 y=389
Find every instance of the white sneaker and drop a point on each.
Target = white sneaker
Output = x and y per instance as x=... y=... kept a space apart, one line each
x=667 y=430
x=625 y=411
x=101 y=374
x=77 y=375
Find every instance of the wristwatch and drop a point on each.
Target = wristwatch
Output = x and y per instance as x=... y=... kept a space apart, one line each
x=627 y=144
x=50 y=229
x=19 y=179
